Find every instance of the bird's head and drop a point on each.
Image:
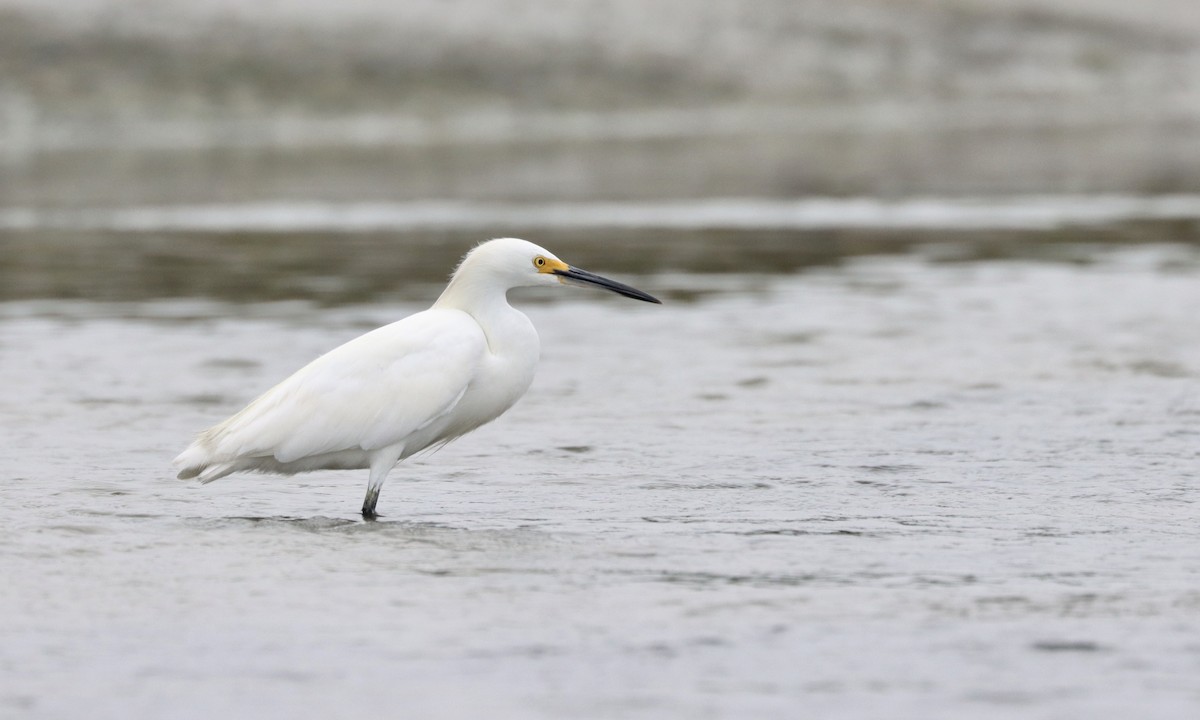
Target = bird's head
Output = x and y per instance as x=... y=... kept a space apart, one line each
x=520 y=263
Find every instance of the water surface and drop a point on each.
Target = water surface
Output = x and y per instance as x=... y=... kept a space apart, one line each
x=897 y=486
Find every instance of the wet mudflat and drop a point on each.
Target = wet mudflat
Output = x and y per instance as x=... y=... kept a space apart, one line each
x=897 y=486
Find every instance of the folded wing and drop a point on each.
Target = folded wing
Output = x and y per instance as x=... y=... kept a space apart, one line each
x=371 y=393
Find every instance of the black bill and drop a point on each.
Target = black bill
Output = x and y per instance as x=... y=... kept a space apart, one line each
x=583 y=277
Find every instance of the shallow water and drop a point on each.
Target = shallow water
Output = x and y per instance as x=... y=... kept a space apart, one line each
x=895 y=487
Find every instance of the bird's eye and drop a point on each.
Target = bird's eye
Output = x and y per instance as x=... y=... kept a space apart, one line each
x=539 y=261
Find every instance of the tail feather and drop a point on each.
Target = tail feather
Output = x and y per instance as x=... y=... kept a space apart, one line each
x=197 y=462
x=189 y=472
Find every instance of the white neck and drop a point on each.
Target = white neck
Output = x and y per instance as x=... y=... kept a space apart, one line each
x=485 y=299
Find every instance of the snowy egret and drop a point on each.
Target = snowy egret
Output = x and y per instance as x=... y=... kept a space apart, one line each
x=416 y=383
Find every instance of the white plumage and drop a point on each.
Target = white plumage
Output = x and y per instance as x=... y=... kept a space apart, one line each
x=419 y=382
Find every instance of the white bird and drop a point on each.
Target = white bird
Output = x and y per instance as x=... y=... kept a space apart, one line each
x=416 y=383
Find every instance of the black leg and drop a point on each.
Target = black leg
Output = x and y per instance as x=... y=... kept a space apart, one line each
x=380 y=466
x=368 y=508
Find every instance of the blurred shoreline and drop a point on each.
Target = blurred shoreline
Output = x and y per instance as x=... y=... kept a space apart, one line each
x=125 y=102
x=351 y=151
